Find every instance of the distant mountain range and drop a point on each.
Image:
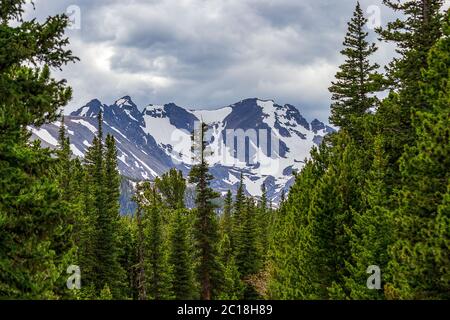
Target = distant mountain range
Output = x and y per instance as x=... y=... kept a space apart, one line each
x=258 y=138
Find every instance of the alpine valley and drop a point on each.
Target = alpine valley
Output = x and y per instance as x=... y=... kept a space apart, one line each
x=276 y=140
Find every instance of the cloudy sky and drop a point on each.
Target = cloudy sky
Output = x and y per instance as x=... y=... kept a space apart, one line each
x=208 y=53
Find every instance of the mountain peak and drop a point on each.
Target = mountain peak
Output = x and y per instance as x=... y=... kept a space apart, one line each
x=94 y=102
x=90 y=109
x=252 y=102
x=125 y=101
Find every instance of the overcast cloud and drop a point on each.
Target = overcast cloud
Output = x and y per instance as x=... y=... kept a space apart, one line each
x=208 y=53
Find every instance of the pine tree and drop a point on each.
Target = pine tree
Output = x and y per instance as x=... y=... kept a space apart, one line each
x=247 y=253
x=206 y=232
x=413 y=34
x=356 y=80
x=248 y=256
x=66 y=172
x=64 y=155
x=87 y=234
x=246 y=236
x=238 y=215
x=180 y=258
x=292 y=273
x=105 y=293
x=232 y=287
x=112 y=207
x=140 y=201
x=32 y=214
x=419 y=257
x=128 y=258
x=102 y=209
x=157 y=269
x=226 y=223
x=104 y=236
x=264 y=220
x=372 y=233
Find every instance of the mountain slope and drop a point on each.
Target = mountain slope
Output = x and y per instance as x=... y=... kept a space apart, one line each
x=258 y=138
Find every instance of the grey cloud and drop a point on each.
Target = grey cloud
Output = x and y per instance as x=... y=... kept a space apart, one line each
x=208 y=53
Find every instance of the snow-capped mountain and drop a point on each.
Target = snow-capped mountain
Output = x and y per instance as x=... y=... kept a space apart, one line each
x=258 y=138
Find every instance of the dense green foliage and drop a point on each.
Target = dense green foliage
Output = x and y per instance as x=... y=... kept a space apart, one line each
x=378 y=197
x=33 y=214
x=375 y=193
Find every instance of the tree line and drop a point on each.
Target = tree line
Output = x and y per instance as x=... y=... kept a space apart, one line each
x=377 y=192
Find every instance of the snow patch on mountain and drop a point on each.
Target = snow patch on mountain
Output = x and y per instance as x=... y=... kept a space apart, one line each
x=76 y=151
x=86 y=124
x=44 y=135
x=212 y=116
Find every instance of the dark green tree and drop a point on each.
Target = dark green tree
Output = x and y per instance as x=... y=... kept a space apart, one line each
x=419 y=257
x=156 y=252
x=356 y=80
x=112 y=194
x=372 y=232
x=206 y=226
x=32 y=213
x=238 y=214
x=263 y=219
x=226 y=222
x=414 y=33
x=291 y=268
x=102 y=210
x=139 y=199
x=104 y=233
x=180 y=258
x=232 y=286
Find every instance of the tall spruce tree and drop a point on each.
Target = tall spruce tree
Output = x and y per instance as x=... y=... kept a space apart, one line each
x=69 y=177
x=356 y=80
x=206 y=226
x=292 y=273
x=112 y=194
x=232 y=287
x=180 y=258
x=139 y=199
x=248 y=254
x=103 y=238
x=64 y=154
x=226 y=222
x=157 y=271
x=238 y=214
x=263 y=221
x=414 y=33
x=102 y=190
x=247 y=251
